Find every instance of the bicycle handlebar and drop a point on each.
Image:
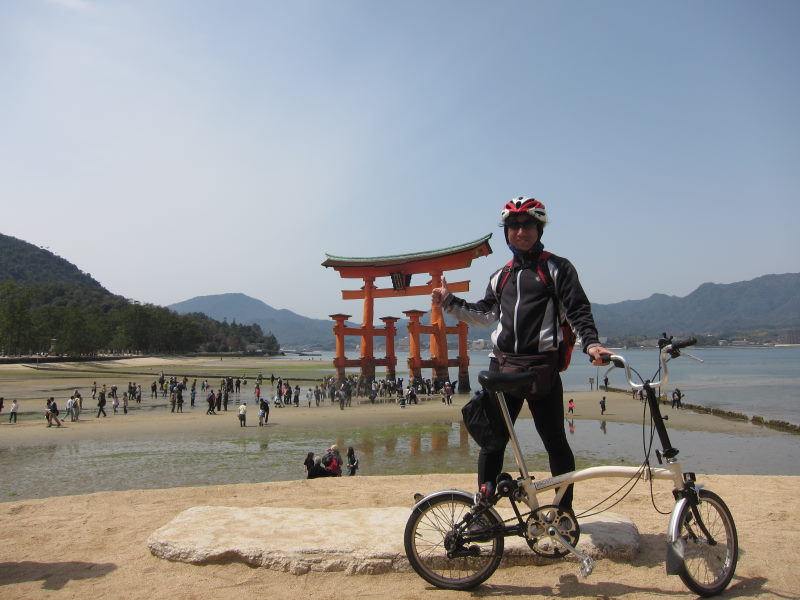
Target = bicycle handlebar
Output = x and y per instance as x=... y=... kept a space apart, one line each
x=672 y=349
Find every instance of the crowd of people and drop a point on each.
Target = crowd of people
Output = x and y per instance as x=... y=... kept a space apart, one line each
x=272 y=392
x=330 y=464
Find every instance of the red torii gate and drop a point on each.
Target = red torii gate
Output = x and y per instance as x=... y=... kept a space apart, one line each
x=400 y=268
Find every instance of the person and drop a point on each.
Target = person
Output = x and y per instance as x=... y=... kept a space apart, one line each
x=447 y=393
x=317 y=470
x=243 y=414
x=211 y=400
x=571 y=406
x=605 y=382
x=332 y=461
x=603 y=405
x=12 y=417
x=101 y=403
x=52 y=412
x=68 y=408
x=352 y=461
x=677 y=395
x=308 y=464
x=263 y=412
x=526 y=337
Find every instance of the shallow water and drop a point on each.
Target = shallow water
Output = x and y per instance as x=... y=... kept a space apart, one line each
x=256 y=454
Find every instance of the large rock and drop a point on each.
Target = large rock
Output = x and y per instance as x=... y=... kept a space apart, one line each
x=356 y=541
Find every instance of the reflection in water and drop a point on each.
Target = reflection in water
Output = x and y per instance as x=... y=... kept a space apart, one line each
x=416 y=443
x=406 y=449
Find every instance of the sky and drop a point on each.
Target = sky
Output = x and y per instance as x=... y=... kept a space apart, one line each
x=182 y=148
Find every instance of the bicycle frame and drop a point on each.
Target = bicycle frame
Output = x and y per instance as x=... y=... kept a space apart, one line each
x=672 y=471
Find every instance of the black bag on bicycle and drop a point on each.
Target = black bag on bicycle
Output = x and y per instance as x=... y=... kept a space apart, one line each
x=484 y=422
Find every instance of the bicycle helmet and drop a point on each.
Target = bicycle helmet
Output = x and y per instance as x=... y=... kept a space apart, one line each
x=522 y=205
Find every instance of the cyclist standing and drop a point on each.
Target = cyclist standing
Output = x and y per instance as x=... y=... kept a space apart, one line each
x=526 y=337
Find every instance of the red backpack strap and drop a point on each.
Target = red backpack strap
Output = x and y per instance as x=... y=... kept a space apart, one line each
x=506 y=274
x=544 y=271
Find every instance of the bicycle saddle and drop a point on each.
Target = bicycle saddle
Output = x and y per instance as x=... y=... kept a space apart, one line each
x=505 y=382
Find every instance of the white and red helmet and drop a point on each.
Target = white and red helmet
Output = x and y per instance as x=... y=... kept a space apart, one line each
x=528 y=206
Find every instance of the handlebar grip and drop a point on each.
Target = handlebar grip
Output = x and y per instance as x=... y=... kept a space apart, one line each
x=684 y=343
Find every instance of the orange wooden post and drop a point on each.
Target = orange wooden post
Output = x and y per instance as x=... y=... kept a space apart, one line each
x=463 y=358
x=338 y=330
x=414 y=354
x=367 y=346
x=391 y=358
x=438 y=339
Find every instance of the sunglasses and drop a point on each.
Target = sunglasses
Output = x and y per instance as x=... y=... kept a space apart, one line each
x=530 y=224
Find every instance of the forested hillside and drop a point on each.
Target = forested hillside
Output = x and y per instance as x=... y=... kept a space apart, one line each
x=48 y=305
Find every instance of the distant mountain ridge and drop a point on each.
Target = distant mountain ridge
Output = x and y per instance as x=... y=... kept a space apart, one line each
x=291 y=329
x=768 y=302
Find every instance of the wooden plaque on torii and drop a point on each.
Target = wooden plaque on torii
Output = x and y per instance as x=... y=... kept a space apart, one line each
x=400 y=269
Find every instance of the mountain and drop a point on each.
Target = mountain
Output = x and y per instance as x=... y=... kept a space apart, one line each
x=25 y=263
x=767 y=302
x=290 y=329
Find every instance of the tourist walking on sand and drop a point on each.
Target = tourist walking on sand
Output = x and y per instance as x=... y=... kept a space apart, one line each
x=125 y=400
x=571 y=406
x=101 y=403
x=352 y=461
x=603 y=405
x=447 y=393
x=212 y=401
x=243 y=414
x=12 y=417
x=52 y=412
x=68 y=409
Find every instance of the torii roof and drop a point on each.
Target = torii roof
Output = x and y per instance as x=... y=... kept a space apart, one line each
x=444 y=259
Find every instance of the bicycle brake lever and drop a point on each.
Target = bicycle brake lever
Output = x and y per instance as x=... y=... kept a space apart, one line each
x=686 y=354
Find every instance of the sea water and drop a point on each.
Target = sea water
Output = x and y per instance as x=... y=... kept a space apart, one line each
x=752 y=381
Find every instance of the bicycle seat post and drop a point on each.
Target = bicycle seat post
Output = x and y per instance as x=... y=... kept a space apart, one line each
x=515 y=447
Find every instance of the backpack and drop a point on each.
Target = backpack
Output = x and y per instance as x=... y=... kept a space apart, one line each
x=568 y=336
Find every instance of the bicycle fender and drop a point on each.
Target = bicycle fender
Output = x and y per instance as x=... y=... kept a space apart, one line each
x=675 y=545
x=433 y=495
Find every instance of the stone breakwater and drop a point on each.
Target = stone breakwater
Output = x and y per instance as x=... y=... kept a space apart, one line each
x=776 y=424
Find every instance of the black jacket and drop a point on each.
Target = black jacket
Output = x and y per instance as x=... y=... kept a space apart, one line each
x=525 y=307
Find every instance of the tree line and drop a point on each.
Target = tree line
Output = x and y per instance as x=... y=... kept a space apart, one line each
x=73 y=319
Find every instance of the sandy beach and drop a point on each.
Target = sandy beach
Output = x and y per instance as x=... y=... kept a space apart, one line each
x=94 y=545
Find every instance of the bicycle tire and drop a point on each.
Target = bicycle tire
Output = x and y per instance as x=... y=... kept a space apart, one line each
x=431 y=527
x=705 y=568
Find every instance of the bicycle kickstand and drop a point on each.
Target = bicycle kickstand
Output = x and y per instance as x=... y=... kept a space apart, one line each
x=587 y=562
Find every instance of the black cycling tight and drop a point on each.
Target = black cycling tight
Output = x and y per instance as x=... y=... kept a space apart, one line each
x=548 y=417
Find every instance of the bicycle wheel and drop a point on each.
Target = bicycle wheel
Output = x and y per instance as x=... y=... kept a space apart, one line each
x=709 y=555
x=446 y=552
